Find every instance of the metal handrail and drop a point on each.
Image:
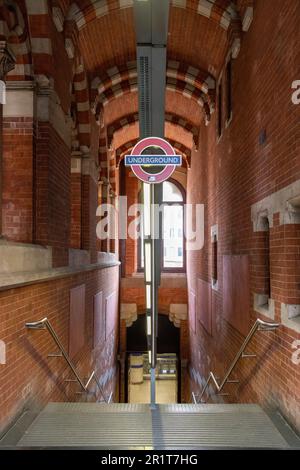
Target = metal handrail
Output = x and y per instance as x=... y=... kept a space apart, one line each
x=259 y=325
x=194 y=398
x=45 y=324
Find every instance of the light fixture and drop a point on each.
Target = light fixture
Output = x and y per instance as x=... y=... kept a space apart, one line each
x=146 y=211
x=148 y=297
x=147 y=262
x=148 y=325
x=149 y=357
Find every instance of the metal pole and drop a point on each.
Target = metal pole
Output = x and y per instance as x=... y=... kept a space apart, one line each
x=153 y=297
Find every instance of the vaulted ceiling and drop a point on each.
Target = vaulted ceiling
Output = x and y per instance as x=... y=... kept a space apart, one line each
x=201 y=32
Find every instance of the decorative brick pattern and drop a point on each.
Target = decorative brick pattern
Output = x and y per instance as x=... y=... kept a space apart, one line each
x=82 y=101
x=189 y=81
x=221 y=12
x=41 y=44
x=169 y=117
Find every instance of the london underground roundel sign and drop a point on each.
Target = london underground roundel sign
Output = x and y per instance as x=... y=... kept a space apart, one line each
x=139 y=162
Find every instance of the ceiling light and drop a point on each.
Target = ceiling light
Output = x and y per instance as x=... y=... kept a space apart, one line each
x=147 y=262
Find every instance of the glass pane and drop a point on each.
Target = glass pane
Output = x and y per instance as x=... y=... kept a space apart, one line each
x=141 y=246
x=173 y=237
x=171 y=193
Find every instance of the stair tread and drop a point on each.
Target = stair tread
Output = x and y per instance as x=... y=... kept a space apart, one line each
x=137 y=426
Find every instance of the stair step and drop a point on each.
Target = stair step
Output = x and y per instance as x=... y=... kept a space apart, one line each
x=124 y=426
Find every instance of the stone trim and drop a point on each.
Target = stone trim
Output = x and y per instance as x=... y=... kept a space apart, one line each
x=58 y=18
x=178 y=312
x=247 y=19
x=22 y=257
x=19 y=99
x=264 y=306
x=13 y=281
x=90 y=168
x=48 y=109
x=129 y=313
x=76 y=163
x=286 y=202
x=290 y=316
x=79 y=257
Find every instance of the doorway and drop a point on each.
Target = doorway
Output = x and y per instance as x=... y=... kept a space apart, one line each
x=168 y=362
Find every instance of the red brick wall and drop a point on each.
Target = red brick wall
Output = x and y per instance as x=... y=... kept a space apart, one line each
x=17 y=209
x=131 y=260
x=234 y=173
x=29 y=376
x=89 y=207
x=76 y=211
x=52 y=192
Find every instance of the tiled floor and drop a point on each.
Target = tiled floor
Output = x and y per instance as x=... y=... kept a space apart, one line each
x=166 y=392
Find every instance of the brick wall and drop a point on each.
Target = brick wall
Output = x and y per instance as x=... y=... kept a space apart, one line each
x=235 y=173
x=17 y=209
x=31 y=378
x=131 y=260
x=89 y=207
x=76 y=210
x=52 y=192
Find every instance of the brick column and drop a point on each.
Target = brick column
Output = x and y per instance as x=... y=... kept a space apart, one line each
x=52 y=172
x=7 y=63
x=131 y=261
x=76 y=201
x=17 y=165
x=90 y=173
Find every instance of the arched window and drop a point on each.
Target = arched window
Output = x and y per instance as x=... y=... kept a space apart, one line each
x=173 y=244
x=173 y=250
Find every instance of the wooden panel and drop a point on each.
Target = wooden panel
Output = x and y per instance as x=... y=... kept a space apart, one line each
x=99 y=319
x=192 y=310
x=236 y=292
x=111 y=311
x=77 y=320
x=204 y=304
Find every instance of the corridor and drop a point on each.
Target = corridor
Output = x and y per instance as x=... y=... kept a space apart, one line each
x=149 y=224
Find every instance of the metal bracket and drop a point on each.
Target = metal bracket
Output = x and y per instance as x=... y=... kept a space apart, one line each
x=55 y=355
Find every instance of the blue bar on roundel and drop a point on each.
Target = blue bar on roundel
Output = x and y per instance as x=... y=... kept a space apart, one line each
x=153 y=160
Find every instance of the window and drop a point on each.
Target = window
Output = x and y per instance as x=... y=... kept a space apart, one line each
x=173 y=258
x=262 y=300
x=220 y=110
x=173 y=252
x=229 y=90
x=214 y=241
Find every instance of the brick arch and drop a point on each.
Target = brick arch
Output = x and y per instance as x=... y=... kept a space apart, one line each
x=131 y=86
x=169 y=117
x=200 y=79
x=40 y=24
x=14 y=30
x=85 y=11
x=82 y=101
x=222 y=12
x=191 y=82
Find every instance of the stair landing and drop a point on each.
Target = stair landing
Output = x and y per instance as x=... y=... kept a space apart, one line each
x=136 y=426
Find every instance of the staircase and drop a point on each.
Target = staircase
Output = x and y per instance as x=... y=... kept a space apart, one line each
x=119 y=426
x=135 y=426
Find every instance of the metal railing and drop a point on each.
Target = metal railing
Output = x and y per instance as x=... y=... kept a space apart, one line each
x=45 y=324
x=259 y=325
